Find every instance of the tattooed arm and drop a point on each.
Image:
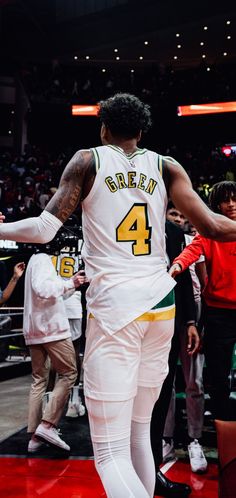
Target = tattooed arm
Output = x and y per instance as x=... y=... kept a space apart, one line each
x=75 y=184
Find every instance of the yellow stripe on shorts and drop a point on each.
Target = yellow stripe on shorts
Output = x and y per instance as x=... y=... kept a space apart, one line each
x=164 y=310
x=154 y=316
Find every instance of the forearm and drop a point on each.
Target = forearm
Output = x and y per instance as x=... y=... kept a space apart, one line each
x=48 y=288
x=190 y=254
x=9 y=289
x=40 y=229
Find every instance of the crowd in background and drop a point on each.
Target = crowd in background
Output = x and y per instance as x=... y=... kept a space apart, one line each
x=28 y=181
x=154 y=83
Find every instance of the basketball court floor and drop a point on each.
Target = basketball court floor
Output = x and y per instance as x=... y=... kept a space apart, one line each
x=53 y=474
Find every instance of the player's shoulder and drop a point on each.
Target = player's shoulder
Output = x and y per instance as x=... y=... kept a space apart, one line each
x=80 y=161
x=170 y=161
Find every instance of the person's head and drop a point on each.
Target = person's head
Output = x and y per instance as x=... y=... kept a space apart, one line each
x=123 y=117
x=174 y=215
x=222 y=199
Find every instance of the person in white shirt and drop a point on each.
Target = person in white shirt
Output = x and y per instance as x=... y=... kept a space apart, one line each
x=47 y=333
x=66 y=264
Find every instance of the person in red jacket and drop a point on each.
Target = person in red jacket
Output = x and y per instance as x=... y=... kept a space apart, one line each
x=220 y=300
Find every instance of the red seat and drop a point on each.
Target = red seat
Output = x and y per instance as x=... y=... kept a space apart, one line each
x=226 y=439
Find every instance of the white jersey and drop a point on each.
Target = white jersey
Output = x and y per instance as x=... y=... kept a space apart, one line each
x=44 y=318
x=124 y=236
x=66 y=265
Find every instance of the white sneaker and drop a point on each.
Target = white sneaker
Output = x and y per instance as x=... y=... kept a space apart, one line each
x=71 y=411
x=50 y=434
x=75 y=409
x=197 y=458
x=81 y=408
x=34 y=445
x=168 y=451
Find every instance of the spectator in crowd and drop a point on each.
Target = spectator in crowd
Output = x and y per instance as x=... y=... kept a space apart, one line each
x=184 y=325
x=47 y=333
x=192 y=366
x=6 y=293
x=73 y=308
x=219 y=300
x=66 y=264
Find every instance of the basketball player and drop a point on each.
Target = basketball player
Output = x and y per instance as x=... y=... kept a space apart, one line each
x=124 y=192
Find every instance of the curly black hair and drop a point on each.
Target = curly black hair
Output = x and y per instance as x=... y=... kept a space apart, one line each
x=221 y=192
x=125 y=115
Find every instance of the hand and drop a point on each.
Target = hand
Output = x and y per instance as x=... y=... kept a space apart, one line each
x=2 y=217
x=193 y=340
x=175 y=270
x=19 y=270
x=79 y=278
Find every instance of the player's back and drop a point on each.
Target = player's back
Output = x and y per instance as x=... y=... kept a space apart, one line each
x=124 y=225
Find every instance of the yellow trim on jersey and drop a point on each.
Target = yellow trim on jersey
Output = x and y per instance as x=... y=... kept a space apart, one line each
x=160 y=165
x=153 y=315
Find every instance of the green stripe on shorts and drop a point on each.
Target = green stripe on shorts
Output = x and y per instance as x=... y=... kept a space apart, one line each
x=169 y=300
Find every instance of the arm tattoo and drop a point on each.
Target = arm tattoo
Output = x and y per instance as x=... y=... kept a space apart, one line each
x=74 y=181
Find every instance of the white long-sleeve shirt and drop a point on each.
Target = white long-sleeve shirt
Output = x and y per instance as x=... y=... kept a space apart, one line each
x=44 y=317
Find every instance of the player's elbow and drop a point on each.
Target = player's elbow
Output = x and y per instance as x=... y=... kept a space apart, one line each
x=44 y=237
x=212 y=230
x=47 y=225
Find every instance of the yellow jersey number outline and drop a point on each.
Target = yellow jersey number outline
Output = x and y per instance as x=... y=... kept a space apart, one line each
x=67 y=264
x=135 y=227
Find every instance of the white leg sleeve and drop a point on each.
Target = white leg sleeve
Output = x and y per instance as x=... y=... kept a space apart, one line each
x=40 y=229
x=142 y=457
x=110 y=424
x=141 y=451
x=114 y=466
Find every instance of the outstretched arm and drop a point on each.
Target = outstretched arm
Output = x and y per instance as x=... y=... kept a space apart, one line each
x=188 y=256
x=75 y=184
x=208 y=224
x=18 y=272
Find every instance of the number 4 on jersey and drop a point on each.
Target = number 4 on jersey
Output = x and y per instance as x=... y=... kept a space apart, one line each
x=134 y=227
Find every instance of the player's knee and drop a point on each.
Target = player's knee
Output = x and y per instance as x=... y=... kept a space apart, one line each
x=103 y=410
x=144 y=403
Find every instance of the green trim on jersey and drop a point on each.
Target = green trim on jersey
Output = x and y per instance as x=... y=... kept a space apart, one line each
x=137 y=152
x=165 y=310
x=96 y=158
x=169 y=300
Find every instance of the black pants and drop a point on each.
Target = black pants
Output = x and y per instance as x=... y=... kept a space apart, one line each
x=161 y=407
x=219 y=340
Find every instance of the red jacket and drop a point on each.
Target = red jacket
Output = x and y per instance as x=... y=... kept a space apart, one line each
x=220 y=258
